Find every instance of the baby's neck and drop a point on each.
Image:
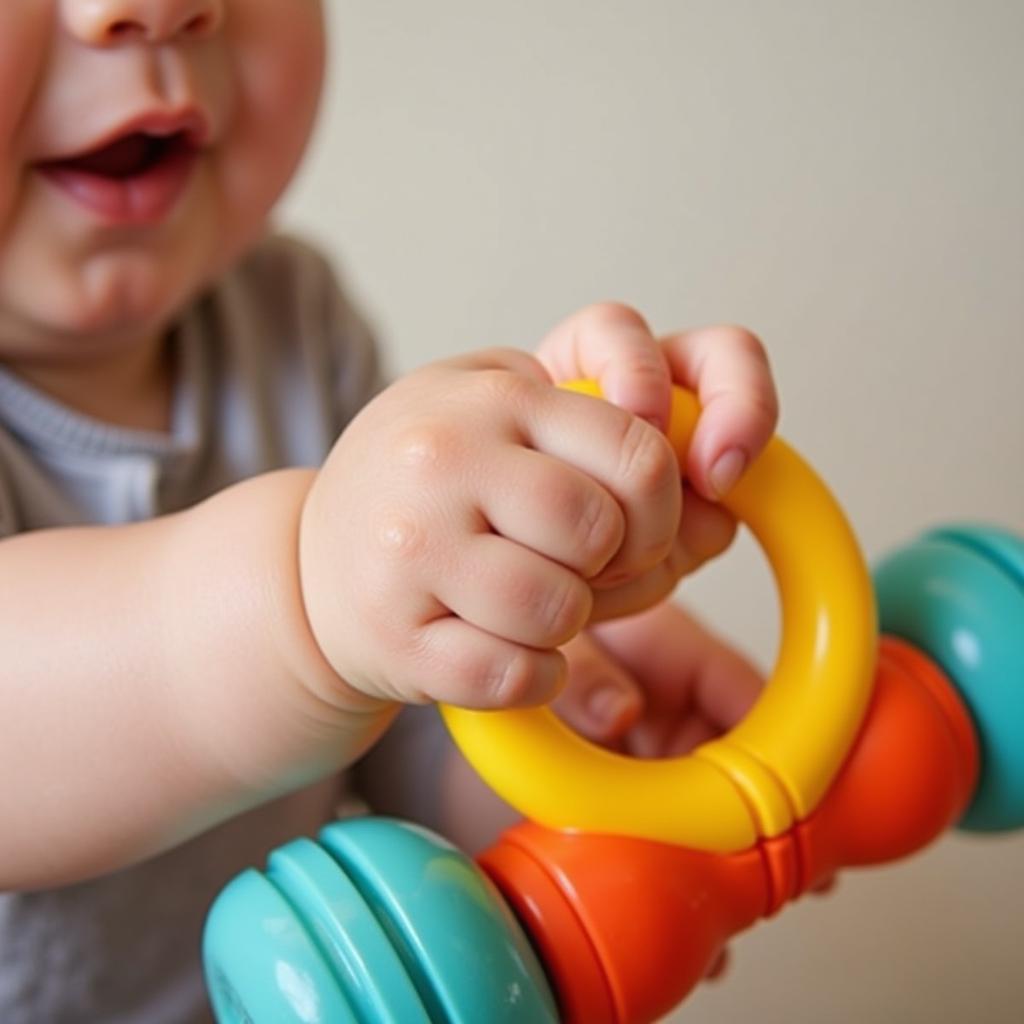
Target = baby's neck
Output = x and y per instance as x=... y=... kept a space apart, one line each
x=128 y=389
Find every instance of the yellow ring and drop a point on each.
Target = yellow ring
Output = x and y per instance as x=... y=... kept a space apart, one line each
x=775 y=766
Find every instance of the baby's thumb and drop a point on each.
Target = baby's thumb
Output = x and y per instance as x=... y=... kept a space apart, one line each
x=601 y=701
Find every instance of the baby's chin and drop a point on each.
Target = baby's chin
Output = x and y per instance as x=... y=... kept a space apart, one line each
x=72 y=297
x=92 y=319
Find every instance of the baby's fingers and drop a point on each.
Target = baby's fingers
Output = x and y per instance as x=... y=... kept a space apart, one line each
x=728 y=369
x=460 y=664
x=601 y=700
x=554 y=509
x=706 y=529
x=514 y=593
x=626 y=456
x=612 y=344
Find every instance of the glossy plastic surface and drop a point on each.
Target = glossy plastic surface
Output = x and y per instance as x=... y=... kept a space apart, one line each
x=379 y=921
x=773 y=768
x=262 y=962
x=466 y=952
x=958 y=594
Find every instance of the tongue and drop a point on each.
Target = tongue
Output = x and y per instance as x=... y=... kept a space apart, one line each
x=121 y=159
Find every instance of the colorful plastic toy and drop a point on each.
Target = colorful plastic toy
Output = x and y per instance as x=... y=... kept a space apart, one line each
x=611 y=902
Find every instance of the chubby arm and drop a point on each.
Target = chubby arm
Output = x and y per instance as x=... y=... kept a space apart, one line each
x=159 y=678
x=468 y=523
x=162 y=677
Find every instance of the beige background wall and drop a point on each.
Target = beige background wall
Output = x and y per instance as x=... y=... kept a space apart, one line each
x=845 y=178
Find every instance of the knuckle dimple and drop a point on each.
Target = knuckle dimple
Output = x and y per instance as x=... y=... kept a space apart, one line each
x=400 y=536
x=426 y=449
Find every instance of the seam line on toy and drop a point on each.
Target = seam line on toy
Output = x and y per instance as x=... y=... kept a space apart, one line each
x=772 y=900
x=758 y=789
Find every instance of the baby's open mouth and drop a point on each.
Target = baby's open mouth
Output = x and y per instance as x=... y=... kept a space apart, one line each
x=137 y=178
x=127 y=157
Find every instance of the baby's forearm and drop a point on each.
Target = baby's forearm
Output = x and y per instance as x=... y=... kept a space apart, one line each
x=158 y=678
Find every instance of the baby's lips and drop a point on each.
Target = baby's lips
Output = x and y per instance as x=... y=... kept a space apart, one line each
x=141 y=199
x=190 y=122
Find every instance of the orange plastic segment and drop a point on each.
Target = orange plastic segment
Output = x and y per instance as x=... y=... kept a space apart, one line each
x=557 y=934
x=656 y=915
x=909 y=777
x=627 y=927
x=913 y=661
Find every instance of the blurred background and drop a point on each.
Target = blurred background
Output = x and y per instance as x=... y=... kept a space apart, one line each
x=846 y=179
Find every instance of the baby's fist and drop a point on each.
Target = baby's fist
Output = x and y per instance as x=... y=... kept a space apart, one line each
x=448 y=546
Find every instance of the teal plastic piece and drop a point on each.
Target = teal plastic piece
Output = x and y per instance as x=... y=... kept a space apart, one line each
x=262 y=965
x=958 y=595
x=378 y=923
x=1000 y=546
x=365 y=965
x=465 y=950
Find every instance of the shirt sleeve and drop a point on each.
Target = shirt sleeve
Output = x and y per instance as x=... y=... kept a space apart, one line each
x=337 y=333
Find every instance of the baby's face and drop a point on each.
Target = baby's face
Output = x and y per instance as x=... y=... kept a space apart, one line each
x=142 y=143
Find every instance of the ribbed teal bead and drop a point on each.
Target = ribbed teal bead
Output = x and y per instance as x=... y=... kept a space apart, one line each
x=466 y=951
x=958 y=595
x=379 y=922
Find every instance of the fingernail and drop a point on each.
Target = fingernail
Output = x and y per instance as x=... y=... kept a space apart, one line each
x=606 y=705
x=726 y=471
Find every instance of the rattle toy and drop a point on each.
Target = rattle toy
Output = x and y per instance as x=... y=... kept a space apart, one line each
x=609 y=903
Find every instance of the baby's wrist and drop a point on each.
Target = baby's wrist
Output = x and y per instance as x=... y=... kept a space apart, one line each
x=323 y=672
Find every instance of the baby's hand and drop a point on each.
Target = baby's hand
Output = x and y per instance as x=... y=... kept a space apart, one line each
x=728 y=370
x=451 y=541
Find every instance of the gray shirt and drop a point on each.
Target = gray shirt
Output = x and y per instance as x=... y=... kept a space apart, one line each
x=271 y=364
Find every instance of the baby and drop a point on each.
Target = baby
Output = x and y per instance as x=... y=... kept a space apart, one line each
x=231 y=553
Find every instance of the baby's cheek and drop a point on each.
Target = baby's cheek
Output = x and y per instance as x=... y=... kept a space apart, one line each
x=249 y=177
x=277 y=54
x=7 y=195
x=24 y=48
